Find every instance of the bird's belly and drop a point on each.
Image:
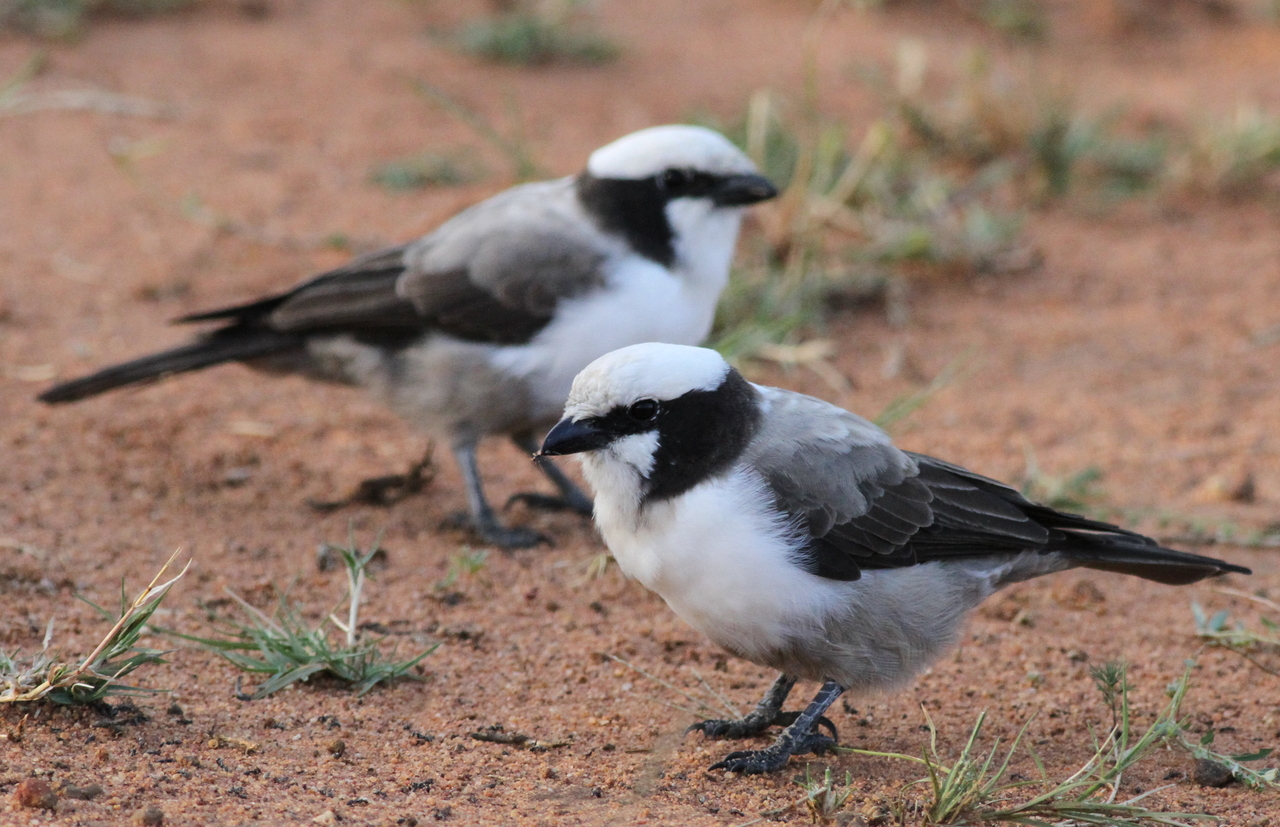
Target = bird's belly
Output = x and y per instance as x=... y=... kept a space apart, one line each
x=723 y=568
x=726 y=567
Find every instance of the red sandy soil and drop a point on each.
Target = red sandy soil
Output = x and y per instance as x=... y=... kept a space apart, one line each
x=1132 y=349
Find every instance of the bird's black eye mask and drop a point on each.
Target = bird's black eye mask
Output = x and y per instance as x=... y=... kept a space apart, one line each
x=678 y=182
x=700 y=434
x=636 y=207
x=639 y=417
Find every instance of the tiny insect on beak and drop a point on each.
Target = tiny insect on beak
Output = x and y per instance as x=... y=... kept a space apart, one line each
x=570 y=437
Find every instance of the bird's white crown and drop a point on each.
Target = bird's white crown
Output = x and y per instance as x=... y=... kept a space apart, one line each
x=647 y=371
x=652 y=150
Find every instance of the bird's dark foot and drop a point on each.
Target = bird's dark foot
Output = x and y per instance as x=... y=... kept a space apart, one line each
x=514 y=537
x=550 y=502
x=775 y=757
x=744 y=727
x=495 y=533
x=384 y=491
x=753 y=724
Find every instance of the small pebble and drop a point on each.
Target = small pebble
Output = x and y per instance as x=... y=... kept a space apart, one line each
x=337 y=748
x=149 y=816
x=36 y=794
x=1211 y=774
x=86 y=793
x=327 y=817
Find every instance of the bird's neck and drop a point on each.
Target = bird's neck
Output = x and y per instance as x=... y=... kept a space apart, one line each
x=704 y=238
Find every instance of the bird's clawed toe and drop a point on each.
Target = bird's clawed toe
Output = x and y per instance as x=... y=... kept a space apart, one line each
x=495 y=533
x=385 y=491
x=744 y=727
x=514 y=537
x=774 y=757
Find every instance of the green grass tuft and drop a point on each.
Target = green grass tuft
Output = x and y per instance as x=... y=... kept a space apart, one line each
x=823 y=799
x=526 y=38
x=853 y=218
x=1017 y=19
x=1252 y=645
x=44 y=677
x=286 y=649
x=425 y=169
x=972 y=789
x=68 y=18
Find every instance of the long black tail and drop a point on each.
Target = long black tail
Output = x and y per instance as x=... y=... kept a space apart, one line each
x=1153 y=562
x=227 y=345
x=993 y=522
x=1102 y=546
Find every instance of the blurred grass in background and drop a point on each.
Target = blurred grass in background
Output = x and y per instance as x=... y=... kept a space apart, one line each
x=943 y=182
x=537 y=33
x=67 y=18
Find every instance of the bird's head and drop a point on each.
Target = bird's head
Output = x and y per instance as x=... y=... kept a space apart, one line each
x=676 y=192
x=665 y=417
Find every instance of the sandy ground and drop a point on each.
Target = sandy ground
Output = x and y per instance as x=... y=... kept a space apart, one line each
x=1132 y=349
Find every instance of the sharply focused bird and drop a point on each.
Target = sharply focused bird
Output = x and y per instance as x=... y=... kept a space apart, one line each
x=796 y=535
x=479 y=327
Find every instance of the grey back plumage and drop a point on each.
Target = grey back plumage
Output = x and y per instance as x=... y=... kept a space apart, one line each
x=523 y=250
x=493 y=273
x=865 y=504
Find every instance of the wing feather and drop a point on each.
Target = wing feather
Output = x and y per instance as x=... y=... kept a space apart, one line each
x=497 y=271
x=493 y=273
x=864 y=504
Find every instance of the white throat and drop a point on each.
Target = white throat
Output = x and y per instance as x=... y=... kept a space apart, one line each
x=705 y=236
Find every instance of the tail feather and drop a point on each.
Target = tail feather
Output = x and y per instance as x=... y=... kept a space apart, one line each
x=1150 y=562
x=227 y=345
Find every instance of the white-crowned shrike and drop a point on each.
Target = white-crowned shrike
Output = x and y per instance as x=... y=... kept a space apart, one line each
x=796 y=535
x=479 y=327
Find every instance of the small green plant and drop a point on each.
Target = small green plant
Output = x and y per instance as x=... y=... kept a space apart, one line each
x=1016 y=19
x=43 y=676
x=287 y=649
x=823 y=800
x=1217 y=630
x=1032 y=130
x=66 y=18
x=972 y=790
x=1231 y=156
x=530 y=35
x=852 y=221
x=468 y=562
x=426 y=169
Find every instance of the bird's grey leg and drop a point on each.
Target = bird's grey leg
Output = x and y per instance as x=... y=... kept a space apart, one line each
x=483 y=518
x=388 y=490
x=571 y=496
x=799 y=738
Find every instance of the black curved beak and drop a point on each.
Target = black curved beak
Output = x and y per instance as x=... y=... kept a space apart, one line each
x=741 y=190
x=569 y=437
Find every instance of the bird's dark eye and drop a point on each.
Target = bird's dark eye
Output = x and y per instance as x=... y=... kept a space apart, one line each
x=644 y=410
x=674 y=179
